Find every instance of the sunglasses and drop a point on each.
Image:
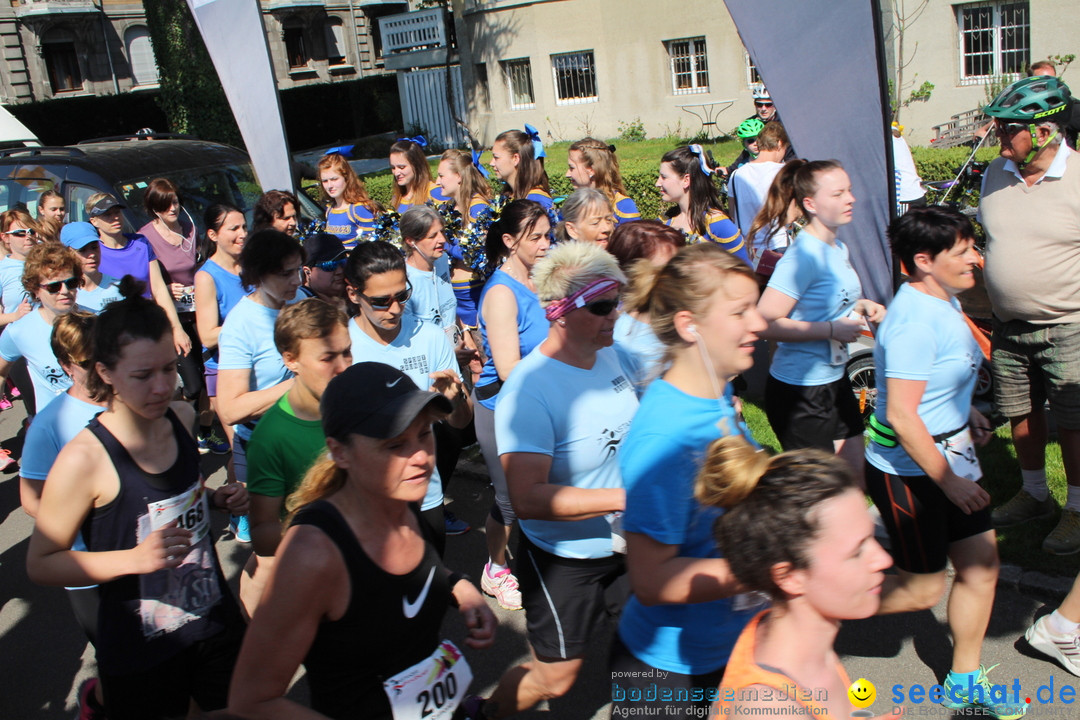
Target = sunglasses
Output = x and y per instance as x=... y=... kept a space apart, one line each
x=26 y=232
x=54 y=287
x=601 y=308
x=1009 y=129
x=384 y=302
x=331 y=265
x=758 y=103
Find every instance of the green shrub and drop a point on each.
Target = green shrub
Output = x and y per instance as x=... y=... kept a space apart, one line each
x=633 y=131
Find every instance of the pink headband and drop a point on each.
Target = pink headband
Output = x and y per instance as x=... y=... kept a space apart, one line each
x=580 y=299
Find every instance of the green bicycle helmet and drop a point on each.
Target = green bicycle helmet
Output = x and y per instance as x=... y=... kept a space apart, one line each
x=750 y=128
x=1030 y=99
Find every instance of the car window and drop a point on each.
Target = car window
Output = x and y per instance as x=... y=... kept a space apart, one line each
x=199 y=189
x=23 y=185
x=75 y=197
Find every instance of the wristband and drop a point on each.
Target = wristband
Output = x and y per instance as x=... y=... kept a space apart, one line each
x=831 y=336
x=454 y=578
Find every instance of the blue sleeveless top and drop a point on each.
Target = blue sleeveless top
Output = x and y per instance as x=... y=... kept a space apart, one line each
x=229 y=291
x=532 y=326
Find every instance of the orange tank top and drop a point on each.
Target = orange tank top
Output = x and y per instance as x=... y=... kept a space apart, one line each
x=742 y=671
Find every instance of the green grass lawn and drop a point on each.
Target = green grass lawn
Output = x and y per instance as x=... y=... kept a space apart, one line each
x=1020 y=545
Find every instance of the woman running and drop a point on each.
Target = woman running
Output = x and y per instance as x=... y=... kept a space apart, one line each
x=358 y=593
x=586 y=216
x=130 y=484
x=684 y=614
x=512 y=323
x=350 y=211
x=518 y=160
x=814 y=307
x=413 y=184
x=921 y=466
x=685 y=178
x=97 y=289
x=18 y=233
x=592 y=163
x=796 y=527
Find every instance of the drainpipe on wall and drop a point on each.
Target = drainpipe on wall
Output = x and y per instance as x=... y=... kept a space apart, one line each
x=100 y=5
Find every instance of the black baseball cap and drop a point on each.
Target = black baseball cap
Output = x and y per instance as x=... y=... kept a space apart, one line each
x=374 y=400
x=323 y=247
x=104 y=205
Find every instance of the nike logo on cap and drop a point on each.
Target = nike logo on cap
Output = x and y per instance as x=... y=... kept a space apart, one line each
x=412 y=608
x=392 y=384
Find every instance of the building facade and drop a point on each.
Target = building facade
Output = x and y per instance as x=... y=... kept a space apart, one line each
x=64 y=48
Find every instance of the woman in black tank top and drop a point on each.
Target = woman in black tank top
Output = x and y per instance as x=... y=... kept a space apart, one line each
x=168 y=629
x=358 y=592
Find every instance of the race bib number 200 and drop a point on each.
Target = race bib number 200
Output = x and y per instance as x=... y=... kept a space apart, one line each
x=431 y=689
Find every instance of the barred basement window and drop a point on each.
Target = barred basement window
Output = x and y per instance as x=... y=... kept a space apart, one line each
x=519 y=86
x=575 y=78
x=689 y=66
x=995 y=39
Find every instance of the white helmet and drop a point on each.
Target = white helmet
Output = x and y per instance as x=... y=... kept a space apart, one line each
x=759 y=92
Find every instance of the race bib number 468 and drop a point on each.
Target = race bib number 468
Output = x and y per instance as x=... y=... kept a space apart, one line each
x=188 y=509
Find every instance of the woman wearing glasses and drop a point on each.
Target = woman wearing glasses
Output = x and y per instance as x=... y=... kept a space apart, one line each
x=561 y=419
x=376 y=281
x=19 y=233
x=251 y=374
x=512 y=323
x=51 y=276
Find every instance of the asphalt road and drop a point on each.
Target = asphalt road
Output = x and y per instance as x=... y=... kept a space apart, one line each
x=44 y=656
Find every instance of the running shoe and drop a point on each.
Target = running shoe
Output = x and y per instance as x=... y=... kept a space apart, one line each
x=6 y=461
x=240 y=529
x=454 y=525
x=1021 y=508
x=980 y=690
x=213 y=443
x=89 y=709
x=1063 y=648
x=5 y=404
x=503 y=586
x=13 y=391
x=1065 y=538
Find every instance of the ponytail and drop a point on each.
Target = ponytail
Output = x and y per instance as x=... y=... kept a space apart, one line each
x=730 y=473
x=323 y=479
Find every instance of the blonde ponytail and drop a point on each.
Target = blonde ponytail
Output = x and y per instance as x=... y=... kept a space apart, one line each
x=730 y=473
x=323 y=479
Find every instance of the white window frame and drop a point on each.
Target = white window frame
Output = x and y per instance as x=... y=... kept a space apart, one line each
x=579 y=89
x=753 y=77
x=696 y=58
x=519 y=69
x=997 y=32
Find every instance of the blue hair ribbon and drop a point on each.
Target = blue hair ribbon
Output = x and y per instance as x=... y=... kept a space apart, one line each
x=538 y=145
x=345 y=150
x=696 y=149
x=478 y=165
x=419 y=140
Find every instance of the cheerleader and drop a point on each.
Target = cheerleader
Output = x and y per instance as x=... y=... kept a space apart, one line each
x=350 y=210
x=412 y=176
x=517 y=159
x=592 y=163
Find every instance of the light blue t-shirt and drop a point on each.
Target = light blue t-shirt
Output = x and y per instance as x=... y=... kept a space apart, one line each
x=29 y=337
x=639 y=349
x=246 y=342
x=924 y=338
x=13 y=292
x=660 y=459
x=825 y=287
x=433 y=300
x=419 y=349
x=94 y=301
x=52 y=429
x=577 y=417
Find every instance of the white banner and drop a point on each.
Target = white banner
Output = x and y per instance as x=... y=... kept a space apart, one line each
x=236 y=40
x=822 y=65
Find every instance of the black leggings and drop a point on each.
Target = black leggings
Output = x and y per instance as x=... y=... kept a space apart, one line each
x=190 y=366
x=84 y=603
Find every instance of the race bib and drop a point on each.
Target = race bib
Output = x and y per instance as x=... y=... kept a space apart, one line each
x=186 y=301
x=959 y=451
x=188 y=509
x=431 y=689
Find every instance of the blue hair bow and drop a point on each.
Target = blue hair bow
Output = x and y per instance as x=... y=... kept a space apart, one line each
x=345 y=150
x=478 y=165
x=419 y=140
x=538 y=145
x=696 y=149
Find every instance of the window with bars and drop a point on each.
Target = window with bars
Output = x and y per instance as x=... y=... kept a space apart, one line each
x=995 y=39
x=519 y=85
x=689 y=66
x=575 y=77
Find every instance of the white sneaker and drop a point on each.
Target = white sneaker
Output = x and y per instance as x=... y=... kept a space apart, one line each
x=503 y=587
x=1063 y=648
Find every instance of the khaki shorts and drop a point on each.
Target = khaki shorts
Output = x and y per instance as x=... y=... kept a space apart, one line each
x=1033 y=364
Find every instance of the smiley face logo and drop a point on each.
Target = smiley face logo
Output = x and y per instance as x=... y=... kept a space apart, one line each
x=862 y=693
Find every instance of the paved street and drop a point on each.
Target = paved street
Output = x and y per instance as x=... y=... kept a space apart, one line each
x=44 y=657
